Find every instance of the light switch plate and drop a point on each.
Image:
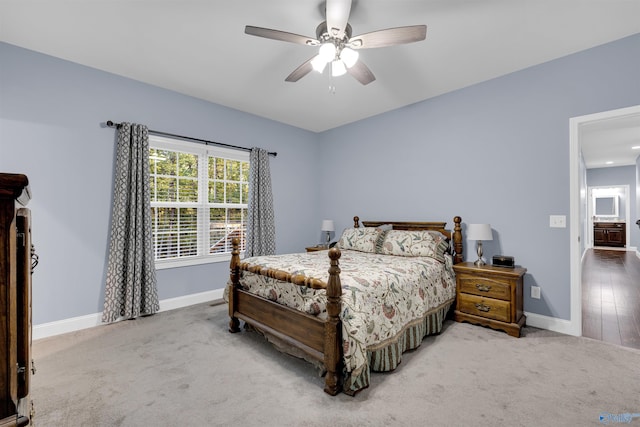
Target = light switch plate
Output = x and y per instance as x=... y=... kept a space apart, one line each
x=557 y=221
x=535 y=292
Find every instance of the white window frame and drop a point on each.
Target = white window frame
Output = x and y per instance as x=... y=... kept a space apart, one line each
x=203 y=205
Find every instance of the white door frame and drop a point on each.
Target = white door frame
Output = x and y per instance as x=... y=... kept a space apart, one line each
x=575 y=323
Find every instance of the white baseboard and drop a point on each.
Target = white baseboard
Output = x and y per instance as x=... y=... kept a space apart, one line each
x=552 y=324
x=50 y=329
x=187 y=300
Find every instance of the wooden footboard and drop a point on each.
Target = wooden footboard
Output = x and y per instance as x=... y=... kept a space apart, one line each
x=320 y=340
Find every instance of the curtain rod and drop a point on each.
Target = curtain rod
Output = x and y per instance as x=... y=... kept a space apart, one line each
x=111 y=124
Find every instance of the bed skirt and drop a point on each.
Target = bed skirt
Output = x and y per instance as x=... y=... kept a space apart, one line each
x=387 y=356
x=382 y=357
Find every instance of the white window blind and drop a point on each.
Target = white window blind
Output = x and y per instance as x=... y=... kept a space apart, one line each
x=198 y=201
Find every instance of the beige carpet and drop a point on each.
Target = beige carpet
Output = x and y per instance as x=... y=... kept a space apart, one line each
x=182 y=368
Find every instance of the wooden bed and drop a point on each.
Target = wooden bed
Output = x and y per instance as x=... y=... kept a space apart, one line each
x=318 y=339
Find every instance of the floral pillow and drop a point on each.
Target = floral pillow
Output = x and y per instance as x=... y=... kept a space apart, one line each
x=415 y=243
x=363 y=239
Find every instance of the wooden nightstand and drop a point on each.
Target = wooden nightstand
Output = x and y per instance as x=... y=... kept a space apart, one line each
x=316 y=248
x=490 y=296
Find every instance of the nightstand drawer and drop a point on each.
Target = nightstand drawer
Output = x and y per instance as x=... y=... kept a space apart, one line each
x=485 y=307
x=485 y=287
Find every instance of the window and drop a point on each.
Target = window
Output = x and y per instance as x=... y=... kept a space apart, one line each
x=198 y=201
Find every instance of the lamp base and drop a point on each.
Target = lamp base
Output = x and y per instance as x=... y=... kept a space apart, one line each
x=479 y=262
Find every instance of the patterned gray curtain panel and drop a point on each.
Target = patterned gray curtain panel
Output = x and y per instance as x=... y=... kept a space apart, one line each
x=261 y=228
x=131 y=276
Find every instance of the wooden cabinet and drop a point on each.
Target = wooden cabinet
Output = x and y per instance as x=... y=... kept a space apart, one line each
x=490 y=296
x=610 y=234
x=15 y=301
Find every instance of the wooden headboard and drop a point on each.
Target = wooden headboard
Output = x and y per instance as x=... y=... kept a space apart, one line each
x=454 y=236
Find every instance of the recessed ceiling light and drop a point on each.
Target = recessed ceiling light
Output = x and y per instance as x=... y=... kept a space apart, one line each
x=636 y=147
x=609 y=162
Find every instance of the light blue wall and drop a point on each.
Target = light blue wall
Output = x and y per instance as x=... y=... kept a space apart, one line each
x=496 y=152
x=623 y=175
x=50 y=116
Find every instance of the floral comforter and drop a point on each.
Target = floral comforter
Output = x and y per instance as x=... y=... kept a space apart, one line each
x=382 y=295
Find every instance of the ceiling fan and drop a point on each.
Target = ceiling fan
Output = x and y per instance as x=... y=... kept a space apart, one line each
x=337 y=45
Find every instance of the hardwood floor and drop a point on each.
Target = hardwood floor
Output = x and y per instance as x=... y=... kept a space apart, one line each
x=611 y=297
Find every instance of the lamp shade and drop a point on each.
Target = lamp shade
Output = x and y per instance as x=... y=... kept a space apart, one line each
x=327 y=52
x=327 y=225
x=338 y=68
x=479 y=232
x=349 y=57
x=318 y=63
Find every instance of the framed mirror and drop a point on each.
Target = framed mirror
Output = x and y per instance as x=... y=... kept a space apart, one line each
x=606 y=206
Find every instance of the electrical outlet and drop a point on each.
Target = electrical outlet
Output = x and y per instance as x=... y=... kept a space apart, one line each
x=535 y=292
x=557 y=221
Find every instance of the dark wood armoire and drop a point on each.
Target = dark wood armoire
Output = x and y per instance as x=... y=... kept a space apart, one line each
x=16 y=367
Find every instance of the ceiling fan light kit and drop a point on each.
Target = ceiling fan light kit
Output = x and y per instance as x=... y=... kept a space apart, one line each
x=349 y=57
x=327 y=52
x=337 y=46
x=338 y=68
x=318 y=63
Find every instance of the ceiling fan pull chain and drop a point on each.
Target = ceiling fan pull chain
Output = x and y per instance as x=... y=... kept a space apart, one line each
x=332 y=87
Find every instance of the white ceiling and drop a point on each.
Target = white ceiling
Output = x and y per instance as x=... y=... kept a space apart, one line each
x=198 y=47
x=611 y=142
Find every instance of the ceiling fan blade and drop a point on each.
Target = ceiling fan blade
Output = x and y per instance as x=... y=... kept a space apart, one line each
x=280 y=35
x=337 y=17
x=389 y=37
x=362 y=73
x=301 y=71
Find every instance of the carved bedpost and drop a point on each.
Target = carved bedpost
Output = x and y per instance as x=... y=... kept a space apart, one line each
x=457 y=240
x=356 y=220
x=234 y=323
x=333 y=327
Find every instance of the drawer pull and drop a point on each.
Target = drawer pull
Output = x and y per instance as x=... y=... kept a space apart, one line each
x=483 y=288
x=482 y=307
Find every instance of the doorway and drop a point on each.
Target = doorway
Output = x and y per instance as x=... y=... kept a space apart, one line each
x=610 y=203
x=579 y=224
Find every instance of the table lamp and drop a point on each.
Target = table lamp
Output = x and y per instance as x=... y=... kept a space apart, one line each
x=479 y=232
x=328 y=227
